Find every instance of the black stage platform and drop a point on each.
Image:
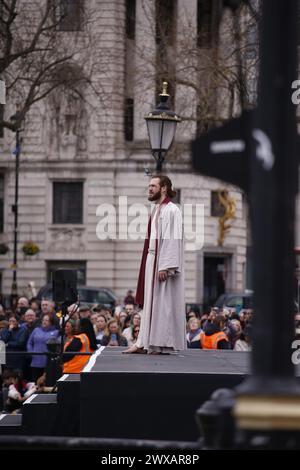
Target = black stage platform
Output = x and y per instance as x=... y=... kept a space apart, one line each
x=153 y=396
x=133 y=396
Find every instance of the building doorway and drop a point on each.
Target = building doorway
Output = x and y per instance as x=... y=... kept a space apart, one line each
x=216 y=270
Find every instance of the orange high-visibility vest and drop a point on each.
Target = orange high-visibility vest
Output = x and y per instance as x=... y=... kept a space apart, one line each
x=211 y=342
x=77 y=363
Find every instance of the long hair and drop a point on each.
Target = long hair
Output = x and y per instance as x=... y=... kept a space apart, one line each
x=107 y=330
x=87 y=328
x=165 y=181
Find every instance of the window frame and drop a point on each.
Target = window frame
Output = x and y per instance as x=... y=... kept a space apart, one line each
x=56 y=219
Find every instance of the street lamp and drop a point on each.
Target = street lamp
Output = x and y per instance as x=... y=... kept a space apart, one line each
x=14 y=288
x=161 y=124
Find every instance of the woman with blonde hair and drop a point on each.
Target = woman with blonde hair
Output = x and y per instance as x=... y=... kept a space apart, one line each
x=100 y=327
x=112 y=335
x=193 y=333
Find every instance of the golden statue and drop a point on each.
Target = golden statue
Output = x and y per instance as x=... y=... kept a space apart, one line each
x=229 y=204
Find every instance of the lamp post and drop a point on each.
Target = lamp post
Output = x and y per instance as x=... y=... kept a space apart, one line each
x=14 y=288
x=161 y=124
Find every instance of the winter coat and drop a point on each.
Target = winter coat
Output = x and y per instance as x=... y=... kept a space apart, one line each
x=38 y=343
x=15 y=340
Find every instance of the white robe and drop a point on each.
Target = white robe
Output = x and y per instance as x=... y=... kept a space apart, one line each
x=162 y=326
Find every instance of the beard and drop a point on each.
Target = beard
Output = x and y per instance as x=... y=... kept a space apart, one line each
x=155 y=196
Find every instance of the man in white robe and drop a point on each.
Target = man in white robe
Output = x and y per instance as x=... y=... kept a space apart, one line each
x=161 y=280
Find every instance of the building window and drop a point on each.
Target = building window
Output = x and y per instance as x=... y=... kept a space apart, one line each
x=79 y=266
x=1 y=203
x=68 y=203
x=165 y=21
x=128 y=119
x=70 y=15
x=206 y=23
x=1 y=119
x=216 y=208
x=130 y=19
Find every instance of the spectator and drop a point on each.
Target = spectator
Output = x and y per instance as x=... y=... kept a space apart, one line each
x=203 y=320
x=84 y=342
x=47 y=308
x=108 y=313
x=233 y=332
x=129 y=299
x=3 y=325
x=127 y=322
x=248 y=316
x=113 y=336
x=135 y=335
x=93 y=318
x=118 y=310
x=30 y=321
x=84 y=311
x=129 y=309
x=213 y=336
x=72 y=312
x=192 y=314
x=7 y=380
x=100 y=327
x=38 y=343
x=19 y=390
x=214 y=311
x=122 y=318
x=193 y=333
x=35 y=306
x=135 y=321
x=242 y=318
x=70 y=331
x=99 y=309
x=22 y=307
x=245 y=341
x=15 y=339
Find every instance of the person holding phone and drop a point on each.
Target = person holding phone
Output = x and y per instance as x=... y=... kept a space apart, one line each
x=113 y=335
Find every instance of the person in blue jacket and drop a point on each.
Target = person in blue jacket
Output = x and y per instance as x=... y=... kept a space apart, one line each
x=37 y=342
x=14 y=338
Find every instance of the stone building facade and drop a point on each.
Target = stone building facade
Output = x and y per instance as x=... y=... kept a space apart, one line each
x=77 y=156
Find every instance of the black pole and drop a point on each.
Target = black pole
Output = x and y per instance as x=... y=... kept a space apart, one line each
x=271 y=397
x=15 y=211
x=64 y=313
x=159 y=163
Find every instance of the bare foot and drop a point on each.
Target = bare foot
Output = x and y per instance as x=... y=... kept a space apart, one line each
x=134 y=350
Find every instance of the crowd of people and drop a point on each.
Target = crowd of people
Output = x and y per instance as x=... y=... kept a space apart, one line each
x=34 y=329
x=220 y=329
x=31 y=330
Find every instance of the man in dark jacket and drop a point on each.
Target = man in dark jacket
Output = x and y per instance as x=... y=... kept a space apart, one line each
x=14 y=338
